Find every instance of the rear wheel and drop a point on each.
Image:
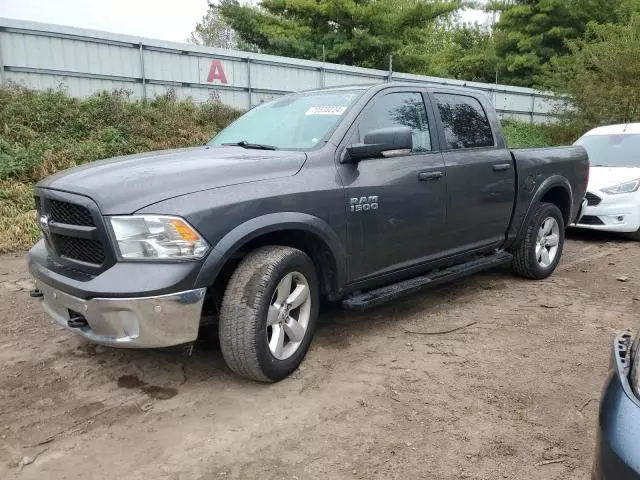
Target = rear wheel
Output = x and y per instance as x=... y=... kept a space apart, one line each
x=538 y=254
x=269 y=313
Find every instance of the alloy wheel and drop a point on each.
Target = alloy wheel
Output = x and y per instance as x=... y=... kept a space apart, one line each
x=547 y=242
x=288 y=315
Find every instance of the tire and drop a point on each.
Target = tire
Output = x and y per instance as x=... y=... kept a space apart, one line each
x=258 y=309
x=529 y=259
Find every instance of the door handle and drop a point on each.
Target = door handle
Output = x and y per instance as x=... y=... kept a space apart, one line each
x=501 y=167
x=424 y=176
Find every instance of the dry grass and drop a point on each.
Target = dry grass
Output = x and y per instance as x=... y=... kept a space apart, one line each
x=18 y=228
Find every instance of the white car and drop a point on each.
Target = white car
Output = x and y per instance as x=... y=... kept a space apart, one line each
x=613 y=199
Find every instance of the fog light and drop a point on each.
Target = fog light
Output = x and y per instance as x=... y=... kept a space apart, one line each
x=615 y=219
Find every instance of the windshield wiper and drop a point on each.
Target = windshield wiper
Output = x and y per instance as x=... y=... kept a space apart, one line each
x=254 y=146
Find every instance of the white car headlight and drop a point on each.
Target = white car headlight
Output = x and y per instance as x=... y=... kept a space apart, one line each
x=627 y=187
x=157 y=237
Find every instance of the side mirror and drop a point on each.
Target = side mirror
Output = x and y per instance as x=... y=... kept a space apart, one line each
x=383 y=142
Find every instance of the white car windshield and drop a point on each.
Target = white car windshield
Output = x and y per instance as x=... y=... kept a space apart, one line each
x=292 y=122
x=622 y=150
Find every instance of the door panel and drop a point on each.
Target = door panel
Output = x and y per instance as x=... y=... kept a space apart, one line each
x=480 y=176
x=479 y=198
x=409 y=219
x=396 y=207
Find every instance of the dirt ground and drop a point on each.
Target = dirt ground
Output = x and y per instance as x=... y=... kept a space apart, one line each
x=514 y=395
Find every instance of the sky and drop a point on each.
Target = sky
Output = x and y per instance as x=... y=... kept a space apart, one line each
x=160 y=19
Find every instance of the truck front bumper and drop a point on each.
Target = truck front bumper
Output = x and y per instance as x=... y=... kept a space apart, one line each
x=143 y=322
x=137 y=305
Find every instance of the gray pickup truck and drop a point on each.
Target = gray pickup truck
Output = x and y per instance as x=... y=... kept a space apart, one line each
x=359 y=194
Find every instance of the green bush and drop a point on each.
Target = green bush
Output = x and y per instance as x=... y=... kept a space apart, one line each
x=526 y=135
x=523 y=135
x=600 y=77
x=42 y=132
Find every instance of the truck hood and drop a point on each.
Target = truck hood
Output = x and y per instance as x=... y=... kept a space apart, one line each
x=123 y=185
x=603 y=177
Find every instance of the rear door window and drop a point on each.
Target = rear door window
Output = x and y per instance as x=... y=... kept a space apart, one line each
x=465 y=122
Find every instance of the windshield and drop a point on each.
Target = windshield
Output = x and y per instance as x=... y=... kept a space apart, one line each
x=292 y=122
x=622 y=150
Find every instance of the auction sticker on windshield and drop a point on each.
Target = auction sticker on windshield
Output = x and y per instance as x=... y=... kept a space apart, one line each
x=326 y=110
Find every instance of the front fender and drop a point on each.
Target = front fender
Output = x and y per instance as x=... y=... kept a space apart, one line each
x=273 y=222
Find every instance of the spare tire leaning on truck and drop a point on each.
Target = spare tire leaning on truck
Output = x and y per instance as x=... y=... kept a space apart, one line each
x=358 y=194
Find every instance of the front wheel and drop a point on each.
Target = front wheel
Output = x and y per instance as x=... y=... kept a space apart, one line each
x=538 y=254
x=269 y=313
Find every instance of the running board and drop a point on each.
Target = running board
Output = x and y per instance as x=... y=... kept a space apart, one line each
x=364 y=300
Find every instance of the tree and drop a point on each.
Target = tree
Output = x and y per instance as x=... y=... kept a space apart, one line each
x=600 y=76
x=466 y=52
x=353 y=32
x=530 y=33
x=213 y=30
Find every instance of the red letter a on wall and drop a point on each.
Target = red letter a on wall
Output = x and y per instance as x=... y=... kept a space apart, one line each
x=216 y=72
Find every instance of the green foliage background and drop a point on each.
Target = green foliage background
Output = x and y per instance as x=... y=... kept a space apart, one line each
x=601 y=76
x=353 y=32
x=48 y=131
x=424 y=36
x=530 y=33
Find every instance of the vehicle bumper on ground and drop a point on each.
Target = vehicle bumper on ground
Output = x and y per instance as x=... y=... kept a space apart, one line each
x=614 y=213
x=144 y=322
x=617 y=453
x=128 y=305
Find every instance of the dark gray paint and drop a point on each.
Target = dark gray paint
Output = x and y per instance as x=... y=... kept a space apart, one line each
x=480 y=187
x=232 y=195
x=538 y=171
x=122 y=185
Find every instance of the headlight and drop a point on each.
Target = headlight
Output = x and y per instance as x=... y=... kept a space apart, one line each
x=627 y=187
x=156 y=237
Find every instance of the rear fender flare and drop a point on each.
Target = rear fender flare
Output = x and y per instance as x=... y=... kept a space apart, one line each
x=273 y=222
x=545 y=186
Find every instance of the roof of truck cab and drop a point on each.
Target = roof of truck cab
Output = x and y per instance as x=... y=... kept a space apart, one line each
x=370 y=86
x=365 y=86
x=620 y=129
